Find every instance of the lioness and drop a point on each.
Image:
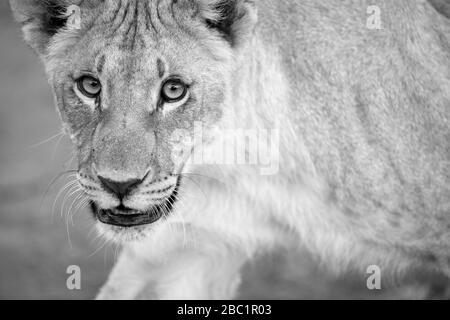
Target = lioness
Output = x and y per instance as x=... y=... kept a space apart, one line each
x=357 y=110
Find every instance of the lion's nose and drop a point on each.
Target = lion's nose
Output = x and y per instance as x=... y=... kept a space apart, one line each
x=120 y=188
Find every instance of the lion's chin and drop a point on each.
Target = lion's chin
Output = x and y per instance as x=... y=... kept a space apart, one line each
x=122 y=235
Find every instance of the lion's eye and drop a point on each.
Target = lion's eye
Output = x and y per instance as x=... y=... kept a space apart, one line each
x=173 y=90
x=89 y=86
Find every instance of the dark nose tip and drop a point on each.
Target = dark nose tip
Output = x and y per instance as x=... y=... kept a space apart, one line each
x=121 y=189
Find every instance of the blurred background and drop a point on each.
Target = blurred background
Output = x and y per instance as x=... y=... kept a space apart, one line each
x=37 y=245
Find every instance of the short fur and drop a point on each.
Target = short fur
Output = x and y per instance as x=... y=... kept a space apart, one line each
x=363 y=118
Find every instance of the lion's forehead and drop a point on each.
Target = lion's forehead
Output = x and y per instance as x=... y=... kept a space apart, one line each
x=123 y=27
x=140 y=23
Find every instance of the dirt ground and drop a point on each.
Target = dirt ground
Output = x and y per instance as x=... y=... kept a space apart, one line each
x=35 y=250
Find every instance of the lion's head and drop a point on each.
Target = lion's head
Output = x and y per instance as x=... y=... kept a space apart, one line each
x=128 y=76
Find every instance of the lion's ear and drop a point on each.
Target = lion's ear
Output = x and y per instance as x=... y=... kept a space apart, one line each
x=233 y=19
x=40 y=20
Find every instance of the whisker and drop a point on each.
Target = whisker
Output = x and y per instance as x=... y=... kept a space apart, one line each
x=97 y=236
x=77 y=198
x=82 y=204
x=68 y=234
x=183 y=174
x=73 y=190
x=67 y=217
x=177 y=214
x=51 y=183
x=183 y=223
x=61 y=133
x=197 y=185
x=188 y=197
x=68 y=186
x=105 y=241
x=56 y=147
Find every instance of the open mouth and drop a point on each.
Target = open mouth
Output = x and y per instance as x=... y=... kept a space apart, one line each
x=120 y=217
x=125 y=217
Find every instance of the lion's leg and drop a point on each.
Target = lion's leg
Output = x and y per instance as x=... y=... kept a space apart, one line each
x=167 y=266
x=194 y=275
x=126 y=279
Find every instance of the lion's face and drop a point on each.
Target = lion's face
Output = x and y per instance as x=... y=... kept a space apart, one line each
x=131 y=81
x=126 y=91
